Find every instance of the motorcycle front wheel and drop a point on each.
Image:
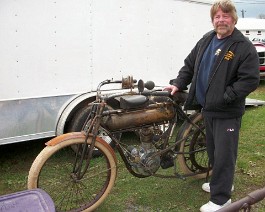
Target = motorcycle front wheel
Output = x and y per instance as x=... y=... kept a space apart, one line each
x=53 y=171
x=192 y=157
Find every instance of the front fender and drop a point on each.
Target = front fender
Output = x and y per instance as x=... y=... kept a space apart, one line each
x=65 y=137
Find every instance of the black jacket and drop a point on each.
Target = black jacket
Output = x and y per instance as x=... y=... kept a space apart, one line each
x=235 y=74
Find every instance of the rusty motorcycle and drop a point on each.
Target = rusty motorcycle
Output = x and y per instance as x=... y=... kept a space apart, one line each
x=166 y=137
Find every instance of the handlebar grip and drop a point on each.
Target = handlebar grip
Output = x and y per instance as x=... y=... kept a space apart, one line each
x=161 y=93
x=155 y=93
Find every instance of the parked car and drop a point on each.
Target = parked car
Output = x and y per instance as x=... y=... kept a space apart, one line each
x=261 y=52
x=259 y=40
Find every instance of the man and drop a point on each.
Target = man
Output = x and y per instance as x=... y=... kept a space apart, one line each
x=223 y=68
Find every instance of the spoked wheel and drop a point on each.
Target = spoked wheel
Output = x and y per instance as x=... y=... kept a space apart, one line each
x=194 y=159
x=53 y=171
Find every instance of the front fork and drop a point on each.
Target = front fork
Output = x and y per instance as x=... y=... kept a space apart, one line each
x=85 y=153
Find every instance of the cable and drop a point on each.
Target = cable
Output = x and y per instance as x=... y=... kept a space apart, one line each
x=253 y=1
x=249 y=2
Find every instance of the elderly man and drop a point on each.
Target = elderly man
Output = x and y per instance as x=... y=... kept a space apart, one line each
x=223 y=68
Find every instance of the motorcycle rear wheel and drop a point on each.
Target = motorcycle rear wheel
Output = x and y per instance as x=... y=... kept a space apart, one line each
x=53 y=172
x=194 y=159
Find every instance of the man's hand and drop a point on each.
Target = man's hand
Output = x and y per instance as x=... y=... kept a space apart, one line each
x=171 y=88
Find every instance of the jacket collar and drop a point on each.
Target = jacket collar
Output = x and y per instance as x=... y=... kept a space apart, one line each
x=236 y=35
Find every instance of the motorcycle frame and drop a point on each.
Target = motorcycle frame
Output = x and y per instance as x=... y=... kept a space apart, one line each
x=92 y=127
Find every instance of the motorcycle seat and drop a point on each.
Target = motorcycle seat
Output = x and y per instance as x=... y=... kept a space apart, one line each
x=133 y=101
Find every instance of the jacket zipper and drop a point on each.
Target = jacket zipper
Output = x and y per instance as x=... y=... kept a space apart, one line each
x=215 y=72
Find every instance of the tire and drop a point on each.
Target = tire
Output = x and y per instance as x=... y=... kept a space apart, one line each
x=53 y=172
x=77 y=123
x=194 y=162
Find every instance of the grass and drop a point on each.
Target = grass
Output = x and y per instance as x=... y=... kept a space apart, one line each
x=155 y=194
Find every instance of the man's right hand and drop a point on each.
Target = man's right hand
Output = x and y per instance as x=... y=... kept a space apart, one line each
x=172 y=88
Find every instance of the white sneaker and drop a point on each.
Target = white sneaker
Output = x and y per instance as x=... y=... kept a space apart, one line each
x=206 y=187
x=211 y=207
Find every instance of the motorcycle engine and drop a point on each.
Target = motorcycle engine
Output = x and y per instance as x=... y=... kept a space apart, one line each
x=143 y=158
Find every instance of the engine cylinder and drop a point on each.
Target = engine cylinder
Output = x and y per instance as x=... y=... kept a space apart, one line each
x=155 y=113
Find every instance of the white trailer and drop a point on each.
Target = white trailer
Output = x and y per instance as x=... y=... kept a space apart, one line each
x=54 y=53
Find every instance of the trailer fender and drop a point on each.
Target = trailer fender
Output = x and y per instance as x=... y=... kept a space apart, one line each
x=69 y=108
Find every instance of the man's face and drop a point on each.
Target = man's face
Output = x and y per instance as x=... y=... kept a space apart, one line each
x=223 y=24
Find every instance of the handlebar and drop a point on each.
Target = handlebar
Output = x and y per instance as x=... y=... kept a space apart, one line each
x=126 y=82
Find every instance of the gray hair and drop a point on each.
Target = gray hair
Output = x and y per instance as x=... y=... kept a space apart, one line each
x=227 y=6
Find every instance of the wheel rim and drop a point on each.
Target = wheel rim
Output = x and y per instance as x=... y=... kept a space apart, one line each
x=67 y=191
x=193 y=157
x=197 y=160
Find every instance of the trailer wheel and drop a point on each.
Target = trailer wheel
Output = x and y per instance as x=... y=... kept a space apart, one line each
x=77 y=123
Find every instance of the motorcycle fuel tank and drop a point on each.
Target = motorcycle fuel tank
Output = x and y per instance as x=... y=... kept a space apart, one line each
x=155 y=113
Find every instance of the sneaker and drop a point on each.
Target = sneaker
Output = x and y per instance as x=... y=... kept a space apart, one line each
x=206 y=187
x=211 y=207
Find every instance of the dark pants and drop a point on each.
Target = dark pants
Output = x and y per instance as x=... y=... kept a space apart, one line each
x=222 y=143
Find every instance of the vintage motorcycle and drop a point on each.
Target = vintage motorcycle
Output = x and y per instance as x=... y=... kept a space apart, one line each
x=165 y=137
